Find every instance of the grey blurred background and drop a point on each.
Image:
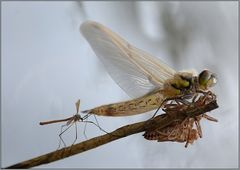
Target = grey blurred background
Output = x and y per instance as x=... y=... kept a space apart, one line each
x=47 y=66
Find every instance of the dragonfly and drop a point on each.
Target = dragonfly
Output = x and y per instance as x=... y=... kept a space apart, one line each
x=70 y=121
x=146 y=79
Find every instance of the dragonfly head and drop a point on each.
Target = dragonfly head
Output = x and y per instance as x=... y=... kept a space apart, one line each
x=206 y=79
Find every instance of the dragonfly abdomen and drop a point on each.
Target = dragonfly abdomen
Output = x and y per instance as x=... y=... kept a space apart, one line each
x=131 y=107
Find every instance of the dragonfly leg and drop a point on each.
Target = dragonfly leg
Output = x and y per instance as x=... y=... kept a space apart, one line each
x=183 y=101
x=207 y=94
x=206 y=97
x=163 y=104
x=156 y=112
x=170 y=107
x=194 y=98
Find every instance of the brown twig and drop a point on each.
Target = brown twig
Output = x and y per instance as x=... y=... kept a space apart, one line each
x=157 y=122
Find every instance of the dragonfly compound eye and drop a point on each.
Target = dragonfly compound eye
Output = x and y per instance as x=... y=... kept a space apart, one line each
x=207 y=79
x=212 y=80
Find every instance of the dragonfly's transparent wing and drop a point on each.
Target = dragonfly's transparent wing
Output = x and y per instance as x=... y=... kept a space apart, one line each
x=135 y=71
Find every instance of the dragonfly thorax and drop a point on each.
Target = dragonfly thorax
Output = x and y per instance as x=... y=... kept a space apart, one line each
x=182 y=83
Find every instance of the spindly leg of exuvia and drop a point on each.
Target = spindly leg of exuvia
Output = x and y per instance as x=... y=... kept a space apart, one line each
x=199 y=129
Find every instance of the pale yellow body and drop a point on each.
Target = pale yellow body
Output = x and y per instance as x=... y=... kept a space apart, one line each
x=131 y=107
